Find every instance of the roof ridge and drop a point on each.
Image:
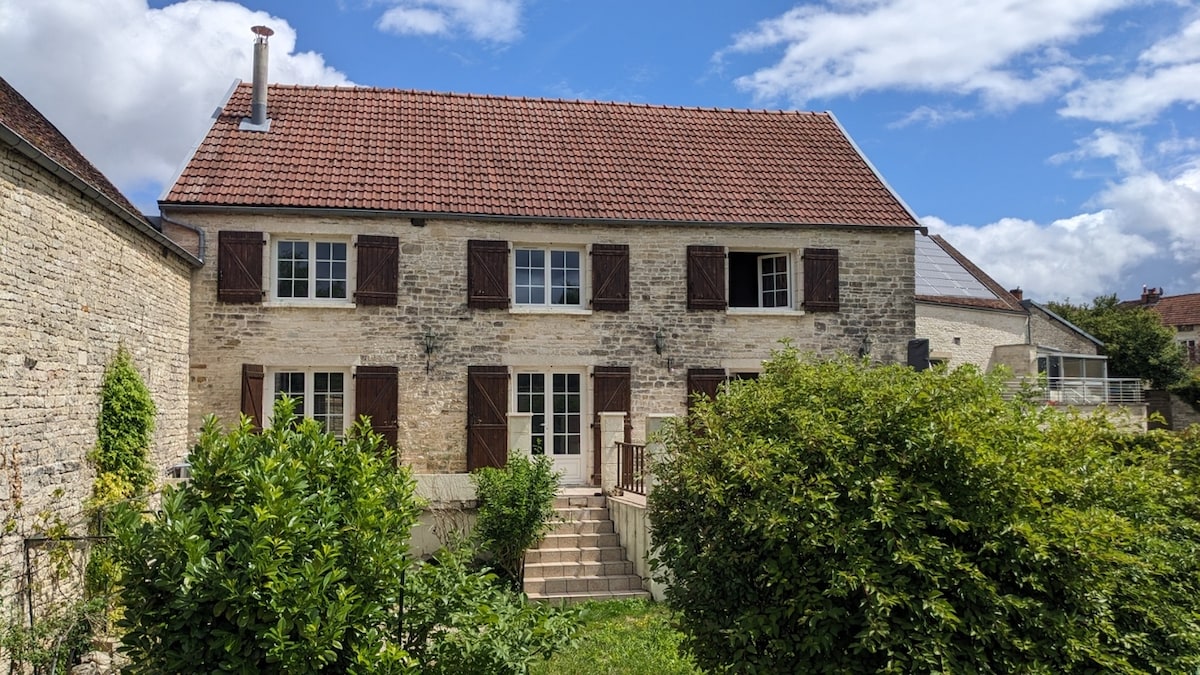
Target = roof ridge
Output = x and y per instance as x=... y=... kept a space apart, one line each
x=538 y=99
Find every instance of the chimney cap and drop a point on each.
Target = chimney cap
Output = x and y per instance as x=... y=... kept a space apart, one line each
x=262 y=31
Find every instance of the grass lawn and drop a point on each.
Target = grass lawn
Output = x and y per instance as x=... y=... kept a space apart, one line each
x=621 y=637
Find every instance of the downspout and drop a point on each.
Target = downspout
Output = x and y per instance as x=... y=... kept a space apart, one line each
x=201 y=237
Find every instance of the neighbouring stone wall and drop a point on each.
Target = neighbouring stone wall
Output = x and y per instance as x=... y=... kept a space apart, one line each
x=876 y=275
x=75 y=282
x=1047 y=331
x=964 y=335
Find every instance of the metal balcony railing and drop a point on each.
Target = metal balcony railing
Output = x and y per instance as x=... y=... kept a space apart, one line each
x=1081 y=391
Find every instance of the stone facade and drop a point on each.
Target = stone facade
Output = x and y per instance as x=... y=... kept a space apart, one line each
x=962 y=335
x=876 y=296
x=76 y=282
x=1048 y=331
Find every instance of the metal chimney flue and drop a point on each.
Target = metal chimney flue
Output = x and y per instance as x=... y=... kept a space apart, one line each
x=258 y=98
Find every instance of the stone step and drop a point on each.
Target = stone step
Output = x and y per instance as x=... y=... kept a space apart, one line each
x=561 y=599
x=581 y=513
x=572 y=555
x=583 y=527
x=554 y=541
x=580 y=501
x=613 y=584
x=575 y=570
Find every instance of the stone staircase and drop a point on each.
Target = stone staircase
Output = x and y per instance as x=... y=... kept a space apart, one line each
x=582 y=558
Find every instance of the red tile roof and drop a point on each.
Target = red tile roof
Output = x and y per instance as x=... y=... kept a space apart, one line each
x=1177 y=310
x=421 y=152
x=20 y=117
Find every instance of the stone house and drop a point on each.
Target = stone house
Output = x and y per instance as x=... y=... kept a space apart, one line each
x=83 y=272
x=1181 y=312
x=964 y=317
x=484 y=275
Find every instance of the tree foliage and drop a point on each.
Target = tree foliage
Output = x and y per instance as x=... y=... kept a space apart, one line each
x=286 y=553
x=831 y=517
x=123 y=432
x=516 y=504
x=1135 y=340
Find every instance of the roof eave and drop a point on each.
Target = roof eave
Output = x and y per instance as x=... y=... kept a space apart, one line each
x=450 y=215
x=137 y=221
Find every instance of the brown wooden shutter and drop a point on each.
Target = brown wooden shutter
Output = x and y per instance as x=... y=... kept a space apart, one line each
x=612 y=392
x=239 y=266
x=821 y=280
x=487 y=274
x=252 y=394
x=705 y=381
x=706 y=277
x=610 y=277
x=487 y=416
x=378 y=270
x=375 y=395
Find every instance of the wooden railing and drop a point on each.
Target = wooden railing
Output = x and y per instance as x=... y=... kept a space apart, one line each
x=631 y=467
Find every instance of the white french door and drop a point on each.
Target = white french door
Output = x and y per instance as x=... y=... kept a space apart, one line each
x=555 y=400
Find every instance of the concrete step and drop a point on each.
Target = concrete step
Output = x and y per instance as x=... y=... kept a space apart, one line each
x=584 y=527
x=621 y=583
x=561 y=599
x=582 y=513
x=573 y=555
x=554 y=541
x=580 y=501
x=560 y=570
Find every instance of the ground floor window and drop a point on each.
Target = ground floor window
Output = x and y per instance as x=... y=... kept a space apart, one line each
x=555 y=401
x=319 y=394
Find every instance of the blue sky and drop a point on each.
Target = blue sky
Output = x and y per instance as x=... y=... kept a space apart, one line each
x=1055 y=142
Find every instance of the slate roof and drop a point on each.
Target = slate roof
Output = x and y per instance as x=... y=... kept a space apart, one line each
x=965 y=286
x=456 y=154
x=20 y=117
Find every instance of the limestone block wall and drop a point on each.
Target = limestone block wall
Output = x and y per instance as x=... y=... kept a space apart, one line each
x=1049 y=332
x=967 y=335
x=876 y=274
x=75 y=282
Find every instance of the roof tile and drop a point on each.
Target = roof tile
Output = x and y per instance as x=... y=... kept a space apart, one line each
x=410 y=151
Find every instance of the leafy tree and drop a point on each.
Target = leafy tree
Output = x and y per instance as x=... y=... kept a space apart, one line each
x=831 y=517
x=1135 y=340
x=516 y=505
x=285 y=553
x=123 y=432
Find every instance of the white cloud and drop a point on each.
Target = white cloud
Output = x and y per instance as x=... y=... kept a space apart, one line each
x=1006 y=51
x=132 y=87
x=931 y=117
x=1146 y=221
x=488 y=20
x=1069 y=258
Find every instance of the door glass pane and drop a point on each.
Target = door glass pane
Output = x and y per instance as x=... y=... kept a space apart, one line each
x=292 y=385
x=568 y=422
x=329 y=402
x=531 y=398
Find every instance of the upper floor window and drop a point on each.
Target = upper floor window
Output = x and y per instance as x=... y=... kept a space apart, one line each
x=761 y=280
x=310 y=270
x=547 y=277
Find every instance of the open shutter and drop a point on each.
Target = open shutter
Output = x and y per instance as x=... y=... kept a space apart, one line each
x=821 y=280
x=487 y=416
x=252 y=394
x=378 y=270
x=375 y=395
x=610 y=277
x=487 y=274
x=611 y=391
x=704 y=381
x=239 y=266
x=706 y=277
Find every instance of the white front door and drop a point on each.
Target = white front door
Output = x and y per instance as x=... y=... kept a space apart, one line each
x=555 y=399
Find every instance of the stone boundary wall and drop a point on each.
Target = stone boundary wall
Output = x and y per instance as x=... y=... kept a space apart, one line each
x=75 y=282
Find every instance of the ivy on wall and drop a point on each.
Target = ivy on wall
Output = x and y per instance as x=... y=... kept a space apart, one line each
x=123 y=433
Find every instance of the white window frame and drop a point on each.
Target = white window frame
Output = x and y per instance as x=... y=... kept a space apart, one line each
x=792 y=276
x=309 y=372
x=548 y=251
x=312 y=240
x=585 y=404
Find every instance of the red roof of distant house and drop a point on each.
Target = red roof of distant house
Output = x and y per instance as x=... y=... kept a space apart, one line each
x=1176 y=310
x=20 y=117
x=421 y=152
